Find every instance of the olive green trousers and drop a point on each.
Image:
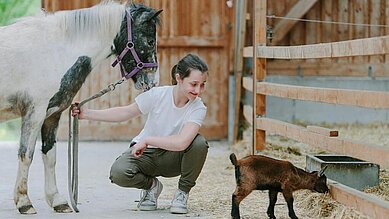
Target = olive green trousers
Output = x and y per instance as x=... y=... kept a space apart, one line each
x=129 y=171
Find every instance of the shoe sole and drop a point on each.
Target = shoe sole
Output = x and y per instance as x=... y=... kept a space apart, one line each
x=174 y=210
x=147 y=208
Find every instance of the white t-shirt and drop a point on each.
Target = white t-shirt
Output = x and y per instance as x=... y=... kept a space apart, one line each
x=164 y=118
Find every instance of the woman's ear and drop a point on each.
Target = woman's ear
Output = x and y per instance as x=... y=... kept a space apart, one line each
x=178 y=78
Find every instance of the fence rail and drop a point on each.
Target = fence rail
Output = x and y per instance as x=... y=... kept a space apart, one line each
x=349 y=48
x=360 y=98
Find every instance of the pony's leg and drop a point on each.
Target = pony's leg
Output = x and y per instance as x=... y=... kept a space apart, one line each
x=31 y=123
x=49 y=132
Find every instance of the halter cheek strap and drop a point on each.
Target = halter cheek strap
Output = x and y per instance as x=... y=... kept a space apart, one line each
x=130 y=47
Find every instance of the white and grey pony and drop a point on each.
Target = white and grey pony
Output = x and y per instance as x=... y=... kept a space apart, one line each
x=44 y=61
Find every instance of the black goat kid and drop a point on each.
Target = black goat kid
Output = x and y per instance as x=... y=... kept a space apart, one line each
x=256 y=172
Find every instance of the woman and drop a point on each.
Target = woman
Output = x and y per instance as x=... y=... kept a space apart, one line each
x=169 y=144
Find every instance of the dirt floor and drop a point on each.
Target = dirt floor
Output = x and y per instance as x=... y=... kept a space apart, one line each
x=212 y=195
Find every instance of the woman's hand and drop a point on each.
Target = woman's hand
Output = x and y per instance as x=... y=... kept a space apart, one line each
x=76 y=110
x=138 y=149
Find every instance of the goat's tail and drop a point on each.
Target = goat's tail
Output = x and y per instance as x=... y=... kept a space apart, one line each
x=233 y=159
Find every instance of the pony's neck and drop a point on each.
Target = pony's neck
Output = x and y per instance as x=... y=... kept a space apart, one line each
x=92 y=30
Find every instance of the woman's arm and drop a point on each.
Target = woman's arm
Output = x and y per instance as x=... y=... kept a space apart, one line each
x=177 y=142
x=115 y=114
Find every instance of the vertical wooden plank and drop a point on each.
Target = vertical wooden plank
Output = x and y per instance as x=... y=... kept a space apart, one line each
x=185 y=8
x=172 y=18
x=327 y=29
x=195 y=23
x=385 y=20
x=259 y=72
x=61 y=5
x=249 y=24
x=276 y=8
x=76 y=4
x=360 y=16
x=298 y=35
x=205 y=21
x=343 y=30
x=227 y=31
x=343 y=15
x=164 y=31
x=216 y=21
x=54 y=6
x=311 y=29
x=375 y=15
x=311 y=36
x=334 y=16
x=45 y=5
x=240 y=32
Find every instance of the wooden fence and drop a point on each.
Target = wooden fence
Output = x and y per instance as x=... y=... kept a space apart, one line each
x=256 y=114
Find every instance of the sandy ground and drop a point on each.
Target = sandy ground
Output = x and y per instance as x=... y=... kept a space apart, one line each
x=210 y=198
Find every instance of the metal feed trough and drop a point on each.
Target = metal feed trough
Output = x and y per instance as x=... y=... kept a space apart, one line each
x=353 y=172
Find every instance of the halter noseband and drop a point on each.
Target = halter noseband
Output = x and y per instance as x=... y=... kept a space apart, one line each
x=130 y=47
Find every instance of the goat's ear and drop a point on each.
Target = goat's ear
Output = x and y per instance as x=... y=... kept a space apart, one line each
x=322 y=171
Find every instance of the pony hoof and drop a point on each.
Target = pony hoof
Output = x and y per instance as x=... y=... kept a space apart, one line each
x=64 y=208
x=27 y=209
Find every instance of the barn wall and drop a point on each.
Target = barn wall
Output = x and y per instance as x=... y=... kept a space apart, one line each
x=199 y=27
x=356 y=11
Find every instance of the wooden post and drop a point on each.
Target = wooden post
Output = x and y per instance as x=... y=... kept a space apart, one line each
x=240 y=32
x=259 y=71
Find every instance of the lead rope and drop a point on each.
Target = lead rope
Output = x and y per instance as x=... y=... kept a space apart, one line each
x=73 y=151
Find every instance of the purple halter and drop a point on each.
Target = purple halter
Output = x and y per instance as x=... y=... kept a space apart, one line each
x=130 y=47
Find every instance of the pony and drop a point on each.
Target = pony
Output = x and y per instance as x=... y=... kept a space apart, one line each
x=45 y=59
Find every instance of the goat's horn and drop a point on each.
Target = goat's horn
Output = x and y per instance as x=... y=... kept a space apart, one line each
x=322 y=171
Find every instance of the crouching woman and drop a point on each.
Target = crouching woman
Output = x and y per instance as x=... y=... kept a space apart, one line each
x=169 y=144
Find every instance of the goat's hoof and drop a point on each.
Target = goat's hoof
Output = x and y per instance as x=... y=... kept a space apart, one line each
x=27 y=209
x=64 y=208
x=271 y=216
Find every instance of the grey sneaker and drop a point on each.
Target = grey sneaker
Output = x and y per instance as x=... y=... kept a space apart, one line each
x=148 y=200
x=179 y=203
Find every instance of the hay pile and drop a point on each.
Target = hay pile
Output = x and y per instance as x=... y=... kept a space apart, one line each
x=211 y=197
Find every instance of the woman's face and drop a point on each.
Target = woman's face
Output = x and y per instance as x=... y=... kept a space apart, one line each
x=193 y=85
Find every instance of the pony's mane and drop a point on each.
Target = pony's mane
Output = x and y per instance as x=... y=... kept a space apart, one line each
x=102 y=21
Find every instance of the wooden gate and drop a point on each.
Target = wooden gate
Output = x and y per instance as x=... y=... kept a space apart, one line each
x=202 y=27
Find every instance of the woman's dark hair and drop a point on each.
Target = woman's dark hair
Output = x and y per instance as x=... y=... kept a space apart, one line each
x=187 y=64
